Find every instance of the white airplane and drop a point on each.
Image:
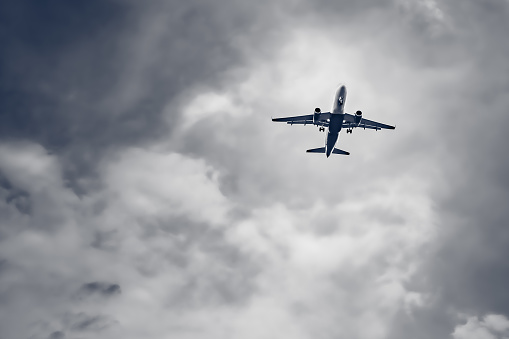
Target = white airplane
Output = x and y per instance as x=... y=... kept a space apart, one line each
x=334 y=121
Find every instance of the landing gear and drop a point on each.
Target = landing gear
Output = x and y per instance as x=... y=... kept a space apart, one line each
x=349 y=130
x=321 y=129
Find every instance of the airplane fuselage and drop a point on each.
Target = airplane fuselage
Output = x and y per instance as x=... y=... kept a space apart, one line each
x=336 y=120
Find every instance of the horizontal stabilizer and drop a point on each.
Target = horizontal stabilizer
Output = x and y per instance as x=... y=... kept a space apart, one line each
x=322 y=150
x=316 y=150
x=340 y=151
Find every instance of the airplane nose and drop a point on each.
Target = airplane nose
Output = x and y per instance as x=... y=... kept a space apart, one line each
x=341 y=92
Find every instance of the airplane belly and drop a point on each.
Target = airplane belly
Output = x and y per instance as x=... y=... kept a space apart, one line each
x=336 y=122
x=330 y=141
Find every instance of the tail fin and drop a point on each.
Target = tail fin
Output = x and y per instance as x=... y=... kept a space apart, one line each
x=316 y=150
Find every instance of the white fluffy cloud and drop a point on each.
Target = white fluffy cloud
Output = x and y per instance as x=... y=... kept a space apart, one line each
x=161 y=228
x=491 y=326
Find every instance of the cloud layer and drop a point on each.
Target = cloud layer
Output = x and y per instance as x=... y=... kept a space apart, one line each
x=146 y=193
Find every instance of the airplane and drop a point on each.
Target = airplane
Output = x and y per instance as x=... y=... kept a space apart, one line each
x=334 y=121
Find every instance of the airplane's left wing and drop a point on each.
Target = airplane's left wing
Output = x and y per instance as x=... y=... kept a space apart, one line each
x=306 y=119
x=364 y=123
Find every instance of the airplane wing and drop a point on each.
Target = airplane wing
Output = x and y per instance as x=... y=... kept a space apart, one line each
x=306 y=119
x=364 y=123
x=324 y=123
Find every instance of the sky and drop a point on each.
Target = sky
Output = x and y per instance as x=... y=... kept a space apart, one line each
x=145 y=192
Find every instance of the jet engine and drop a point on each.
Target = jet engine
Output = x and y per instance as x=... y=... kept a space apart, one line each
x=316 y=115
x=358 y=117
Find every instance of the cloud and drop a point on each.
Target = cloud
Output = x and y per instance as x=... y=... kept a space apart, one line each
x=81 y=322
x=57 y=335
x=101 y=288
x=103 y=81
x=162 y=245
x=492 y=326
x=137 y=153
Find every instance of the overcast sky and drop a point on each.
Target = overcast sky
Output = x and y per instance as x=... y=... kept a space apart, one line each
x=145 y=192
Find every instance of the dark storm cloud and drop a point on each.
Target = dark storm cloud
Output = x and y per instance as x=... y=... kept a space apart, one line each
x=3 y=265
x=467 y=270
x=57 y=335
x=37 y=40
x=81 y=78
x=101 y=288
x=82 y=322
x=105 y=240
x=16 y=197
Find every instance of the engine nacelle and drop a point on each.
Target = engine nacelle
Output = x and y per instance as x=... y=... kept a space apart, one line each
x=358 y=117
x=316 y=115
